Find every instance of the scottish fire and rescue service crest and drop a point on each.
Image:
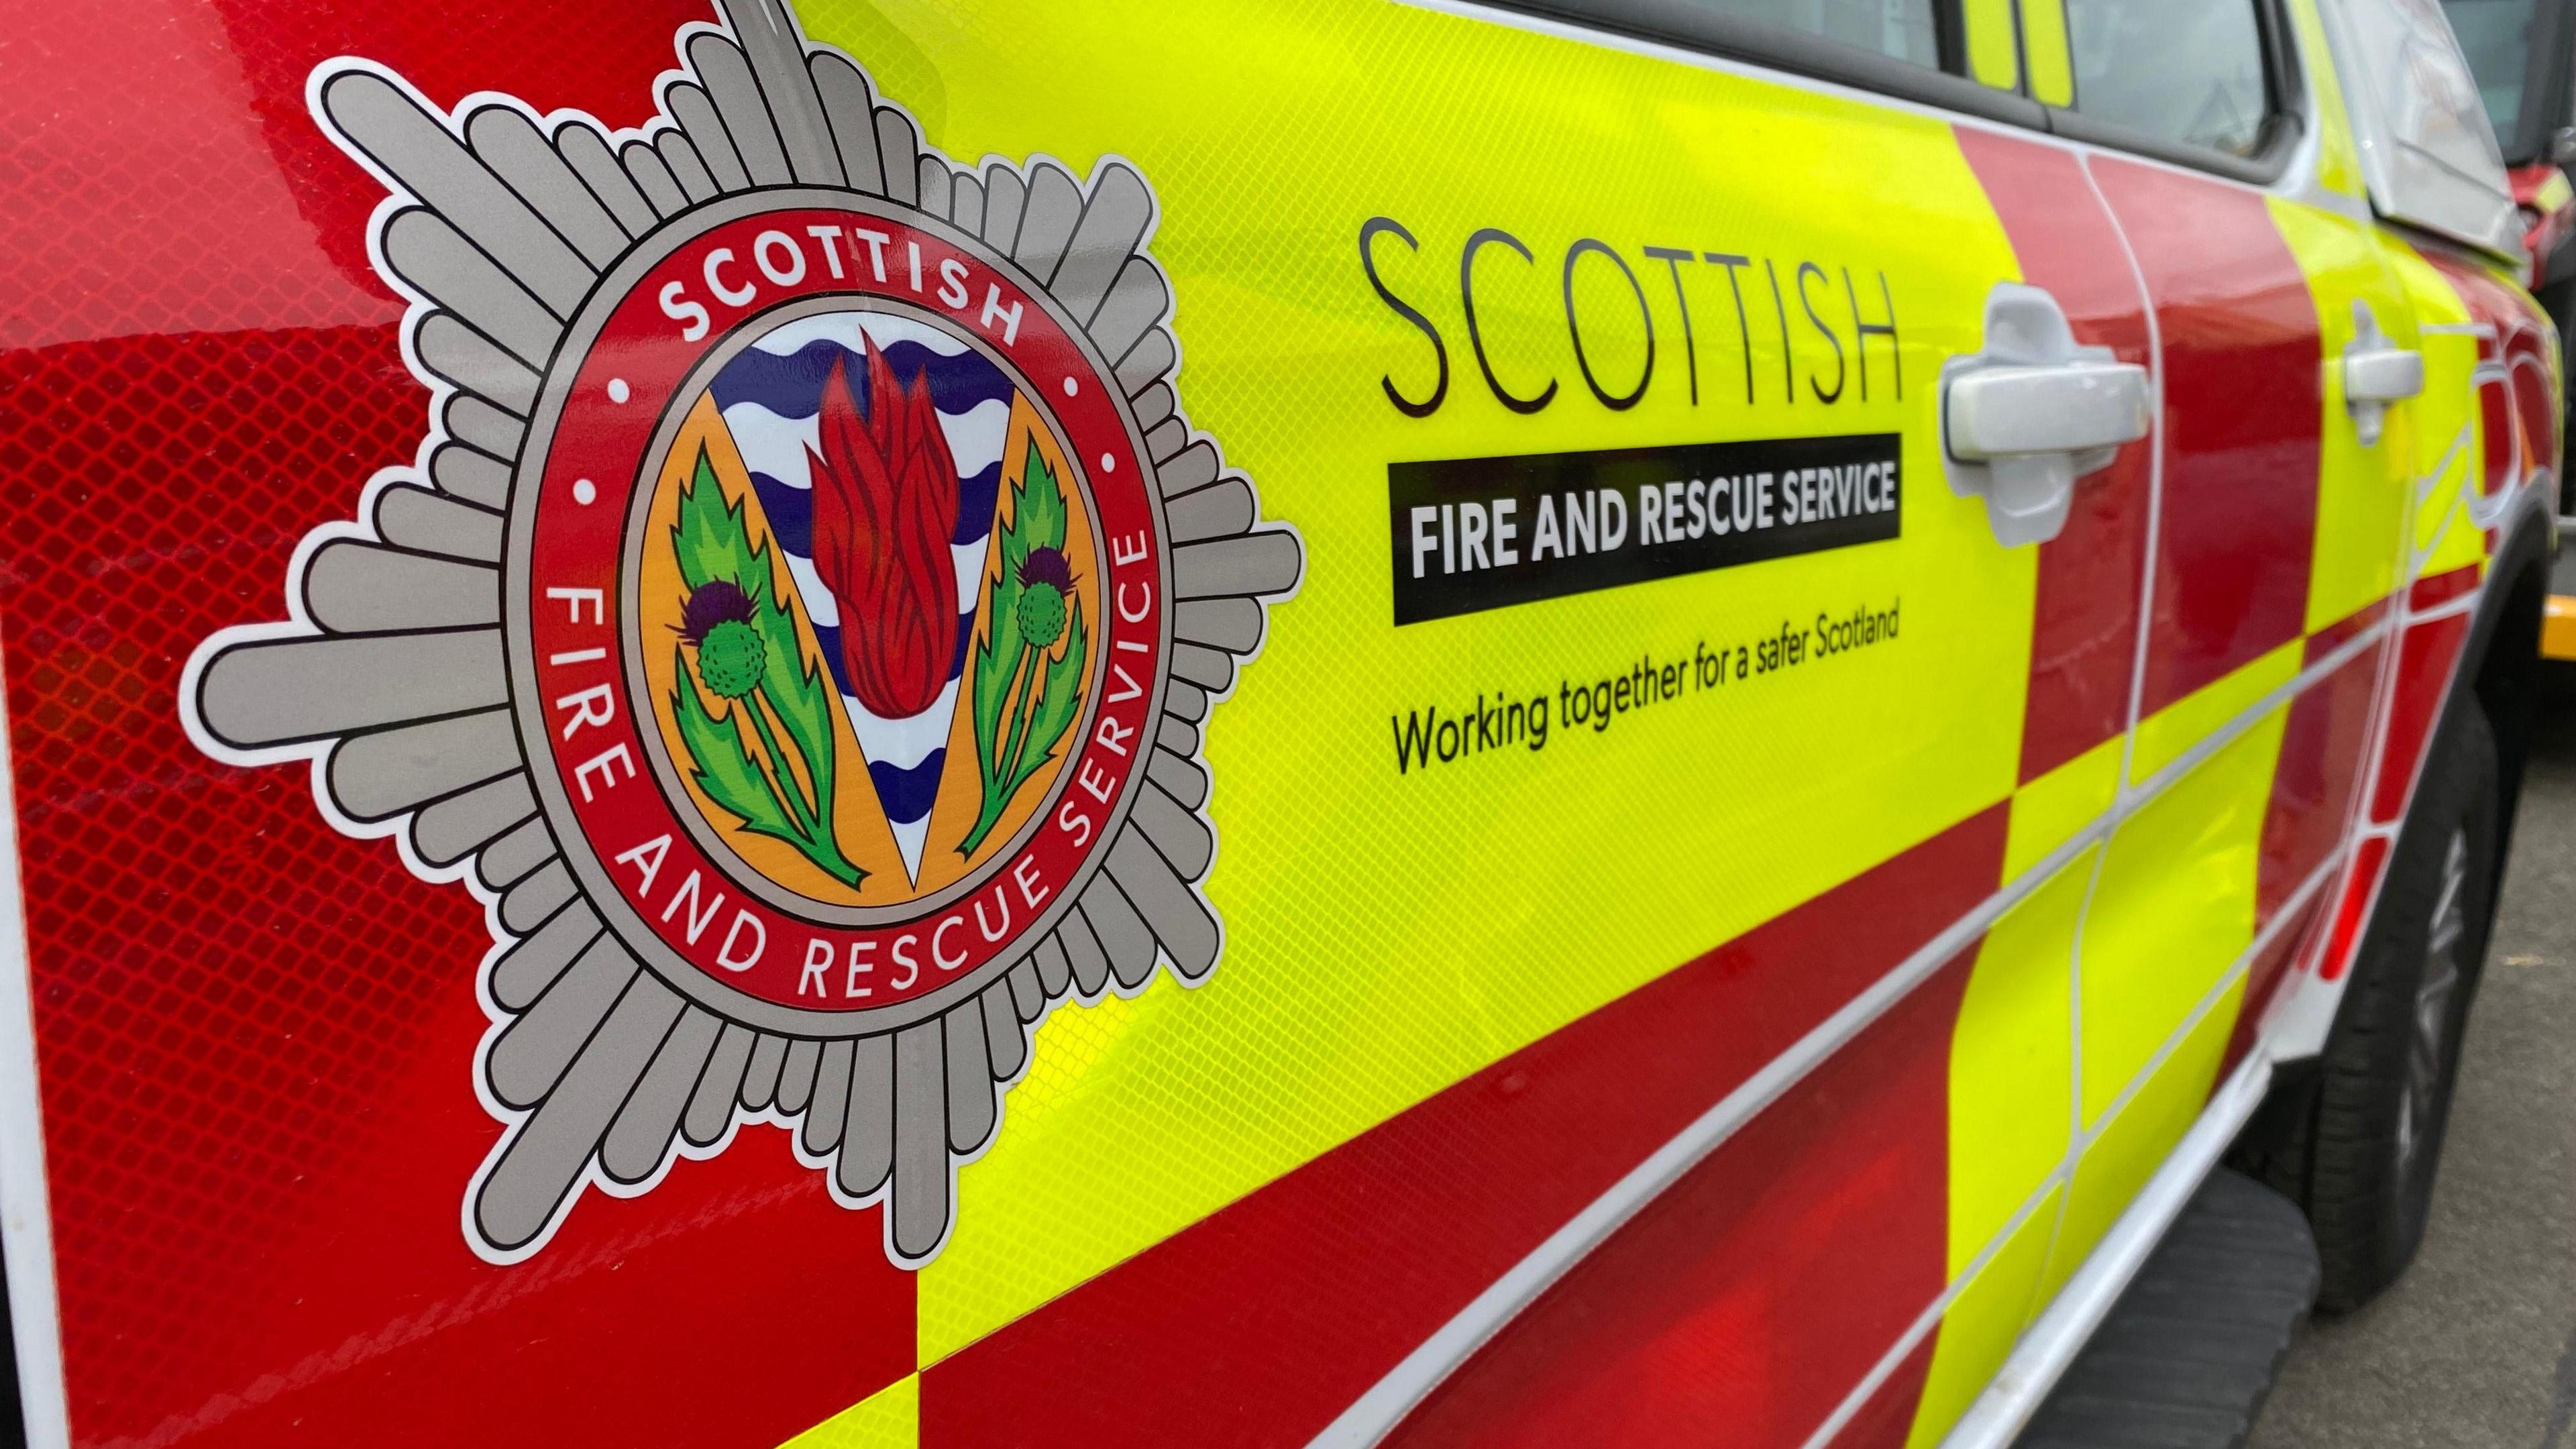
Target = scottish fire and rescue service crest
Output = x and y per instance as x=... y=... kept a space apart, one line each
x=799 y=628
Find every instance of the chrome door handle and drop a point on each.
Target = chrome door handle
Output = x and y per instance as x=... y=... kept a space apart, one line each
x=2376 y=373
x=2033 y=412
x=2068 y=407
x=2391 y=375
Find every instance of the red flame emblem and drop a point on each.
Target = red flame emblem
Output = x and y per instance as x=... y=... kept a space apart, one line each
x=885 y=507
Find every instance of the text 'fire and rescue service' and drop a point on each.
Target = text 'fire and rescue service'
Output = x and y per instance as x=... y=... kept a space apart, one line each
x=1482 y=533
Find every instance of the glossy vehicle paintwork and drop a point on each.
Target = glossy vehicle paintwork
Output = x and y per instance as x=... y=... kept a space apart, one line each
x=1781 y=1060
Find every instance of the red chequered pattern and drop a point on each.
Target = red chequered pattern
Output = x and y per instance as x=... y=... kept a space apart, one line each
x=1288 y=1304
x=1743 y=1304
x=1886 y=1418
x=2084 y=627
x=2424 y=660
x=256 y=1036
x=186 y=917
x=2241 y=413
x=164 y=175
x=2323 y=743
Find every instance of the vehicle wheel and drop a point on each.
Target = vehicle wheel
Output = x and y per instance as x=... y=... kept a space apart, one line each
x=2384 y=1085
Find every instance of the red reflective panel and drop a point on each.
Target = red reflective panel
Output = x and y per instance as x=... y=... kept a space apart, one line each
x=2242 y=404
x=256 y=1040
x=2369 y=858
x=2496 y=430
x=1757 y=1291
x=2085 y=626
x=2423 y=674
x=2534 y=409
x=1289 y=1304
x=1886 y=1418
x=2312 y=788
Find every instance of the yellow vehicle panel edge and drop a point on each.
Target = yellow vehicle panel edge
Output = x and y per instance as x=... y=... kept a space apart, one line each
x=1994 y=43
x=2044 y=41
x=890 y=1418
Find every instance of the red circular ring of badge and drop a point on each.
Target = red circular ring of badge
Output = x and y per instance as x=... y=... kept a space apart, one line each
x=598 y=459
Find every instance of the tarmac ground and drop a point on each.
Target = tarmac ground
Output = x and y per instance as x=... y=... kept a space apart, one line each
x=2476 y=1345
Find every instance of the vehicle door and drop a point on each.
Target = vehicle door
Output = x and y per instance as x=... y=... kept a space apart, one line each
x=1715 y=1303
x=1651 y=512
x=2215 y=133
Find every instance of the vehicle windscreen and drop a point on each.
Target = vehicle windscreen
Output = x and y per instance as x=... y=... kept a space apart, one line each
x=2495 y=35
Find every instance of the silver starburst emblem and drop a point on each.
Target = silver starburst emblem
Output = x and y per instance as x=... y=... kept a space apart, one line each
x=798 y=628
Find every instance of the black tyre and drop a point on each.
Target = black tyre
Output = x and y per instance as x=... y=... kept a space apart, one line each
x=2383 y=1088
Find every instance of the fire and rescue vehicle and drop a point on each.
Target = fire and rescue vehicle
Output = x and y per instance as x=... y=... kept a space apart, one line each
x=1288 y=722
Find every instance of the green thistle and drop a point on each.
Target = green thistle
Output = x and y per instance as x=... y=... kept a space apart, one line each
x=717 y=618
x=1045 y=580
x=1025 y=695
x=748 y=655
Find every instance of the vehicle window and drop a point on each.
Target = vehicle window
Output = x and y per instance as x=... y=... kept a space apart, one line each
x=1898 y=29
x=2496 y=37
x=2189 y=71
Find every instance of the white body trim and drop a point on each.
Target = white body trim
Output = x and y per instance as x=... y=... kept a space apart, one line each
x=2053 y=1340
x=26 y=1221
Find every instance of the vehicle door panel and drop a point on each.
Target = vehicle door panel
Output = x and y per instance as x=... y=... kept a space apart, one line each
x=2238 y=342
x=2011 y=1090
x=2170 y=922
x=2012 y=1067
x=2084 y=639
x=2275 y=545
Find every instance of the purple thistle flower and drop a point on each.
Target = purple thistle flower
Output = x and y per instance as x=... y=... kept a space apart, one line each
x=1047 y=566
x=1045 y=579
x=717 y=601
x=716 y=618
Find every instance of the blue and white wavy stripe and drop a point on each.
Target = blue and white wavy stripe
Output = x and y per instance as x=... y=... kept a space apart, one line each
x=770 y=396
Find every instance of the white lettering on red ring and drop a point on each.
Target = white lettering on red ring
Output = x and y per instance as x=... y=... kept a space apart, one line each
x=722 y=279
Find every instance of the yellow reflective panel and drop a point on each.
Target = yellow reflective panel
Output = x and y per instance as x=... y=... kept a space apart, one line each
x=890 y=1418
x=1389 y=931
x=1978 y=1331
x=2164 y=736
x=2012 y=1083
x=2449 y=448
x=2361 y=491
x=2126 y=1150
x=2173 y=910
x=2052 y=65
x=2048 y=811
x=2445 y=535
x=2012 y=1062
x=1994 y=50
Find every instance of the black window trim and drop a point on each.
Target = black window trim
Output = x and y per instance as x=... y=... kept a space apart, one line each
x=1690 y=26
x=1694 y=27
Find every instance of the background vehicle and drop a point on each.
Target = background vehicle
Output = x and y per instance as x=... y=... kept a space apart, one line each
x=2523 y=53
x=1824 y=642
